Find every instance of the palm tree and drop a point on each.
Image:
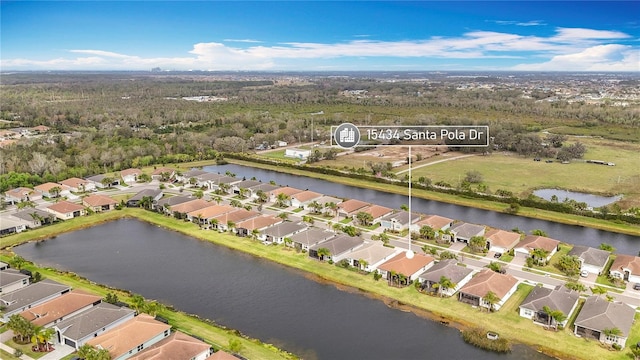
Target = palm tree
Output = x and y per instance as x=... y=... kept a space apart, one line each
x=217 y=199
x=55 y=191
x=235 y=203
x=45 y=336
x=230 y=225
x=288 y=241
x=491 y=299
x=445 y=283
x=107 y=181
x=223 y=188
x=598 y=290
x=540 y=255
x=316 y=206
x=85 y=351
x=198 y=194
x=323 y=252
x=427 y=232
x=21 y=327
x=255 y=233
x=283 y=216
x=17 y=262
x=364 y=218
x=332 y=206
x=362 y=264
x=153 y=307
x=612 y=333
x=261 y=196
x=214 y=223
x=146 y=202
x=282 y=200
x=137 y=302
x=36 y=337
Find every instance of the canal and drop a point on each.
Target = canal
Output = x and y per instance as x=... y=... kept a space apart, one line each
x=571 y=234
x=261 y=299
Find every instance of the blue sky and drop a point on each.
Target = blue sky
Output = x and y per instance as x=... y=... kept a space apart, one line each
x=320 y=35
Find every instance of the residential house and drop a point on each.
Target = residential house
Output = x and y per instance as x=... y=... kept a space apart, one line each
x=533 y=242
x=244 y=185
x=402 y=265
x=591 y=259
x=227 y=221
x=436 y=222
x=21 y=194
x=476 y=290
x=206 y=180
x=310 y=237
x=65 y=210
x=339 y=246
x=255 y=224
x=218 y=184
x=190 y=175
x=277 y=233
x=265 y=188
x=178 y=345
x=377 y=212
x=75 y=184
x=131 y=337
x=398 y=221
x=463 y=231
x=327 y=203
x=303 y=199
x=130 y=176
x=221 y=355
x=163 y=174
x=300 y=154
x=34 y=217
x=3 y=266
x=154 y=194
x=449 y=269
x=11 y=280
x=501 y=241
x=60 y=308
x=35 y=294
x=597 y=315
x=164 y=205
x=76 y=330
x=99 y=203
x=52 y=190
x=99 y=183
x=626 y=267
x=560 y=298
x=288 y=191
x=351 y=207
x=370 y=256
x=180 y=211
x=205 y=216
x=10 y=226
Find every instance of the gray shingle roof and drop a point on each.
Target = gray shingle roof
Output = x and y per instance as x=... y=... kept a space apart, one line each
x=312 y=236
x=283 y=229
x=448 y=268
x=31 y=294
x=11 y=276
x=467 y=230
x=339 y=244
x=591 y=256
x=92 y=320
x=26 y=214
x=599 y=314
x=561 y=298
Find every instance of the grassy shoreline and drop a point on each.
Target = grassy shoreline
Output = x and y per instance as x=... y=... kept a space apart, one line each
x=506 y=322
x=569 y=219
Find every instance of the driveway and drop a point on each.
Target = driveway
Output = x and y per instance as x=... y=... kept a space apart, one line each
x=59 y=352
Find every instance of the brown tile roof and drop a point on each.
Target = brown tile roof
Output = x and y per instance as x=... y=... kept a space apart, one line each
x=436 y=222
x=74 y=182
x=488 y=280
x=19 y=192
x=64 y=207
x=285 y=190
x=130 y=171
x=127 y=336
x=626 y=262
x=189 y=206
x=236 y=216
x=40 y=128
x=306 y=195
x=48 y=186
x=259 y=222
x=177 y=346
x=502 y=238
x=161 y=170
x=352 y=205
x=405 y=266
x=377 y=211
x=211 y=211
x=538 y=242
x=221 y=355
x=98 y=200
x=59 y=307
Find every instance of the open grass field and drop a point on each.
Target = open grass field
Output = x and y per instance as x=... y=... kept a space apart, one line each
x=522 y=175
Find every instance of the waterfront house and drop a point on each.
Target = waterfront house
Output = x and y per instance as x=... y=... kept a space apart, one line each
x=476 y=290
x=60 y=308
x=10 y=226
x=190 y=175
x=328 y=209
x=131 y=337
x=164 y=205
x=264 y=187
x=244 y=186
x=403 y=270
x=181 y=210
x=532 y=242
x=208 y=180
x=339 y=246
x=288 y=191
x=597 y=315
x=221 y=355
x=222 y=222
x=154 y=194
x=3 y=266
x=277 y=233
x=463 y=231
x=501 y=241
x=75 y=184
x=449 y=269
x=27 y=297
x=310 y=237
x=349 y=208
x=560 y=298
x=76 y=330
x=130 y=176
x=178 y=345
x=436 y=222
x=377 y=212
x=99 y=203
x=398 y=221
x=21 y=194
x=626 y=267
x=591 y=259
x=300 y=154
x=203 y=216
x=370 y=256
x=34 y=217
x=304 y=198
x=65 y=210
x=52 y=190
x=11 y=280
x=258 y=223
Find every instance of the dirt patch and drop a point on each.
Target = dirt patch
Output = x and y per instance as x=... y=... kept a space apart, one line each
x=398 y=155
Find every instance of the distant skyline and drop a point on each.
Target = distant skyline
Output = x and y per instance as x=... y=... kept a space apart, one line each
x=320 y=35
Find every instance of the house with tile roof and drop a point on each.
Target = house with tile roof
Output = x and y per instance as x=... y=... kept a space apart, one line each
x=52 y=190
x=377 y=212
x=310 y=237
x=131 y=337
x=626 y=267
x=303 y=199
x=339 y=246
x=165 y=204
x=222 y=222
x=501 y=241
x=258 y=223
x=178 y=345
x=76 y=330
x=75 y=184
x=99 y=203
x=436 y=222
x=351 y=207
x=370 y=256
x=181 y=210
x=597 y=315
x=475 y=291
x=20 y=194
x=60 y=308
x=11 y=280
x=287 y=190
x=560 y=298
x=221 y=355
x=204 y=215
x=408 y=267
x=65 y=210
x=27 y=297
x=591 y=259
x=449 y=268
x=529 y=243
x=130 y=176
x=163 y=174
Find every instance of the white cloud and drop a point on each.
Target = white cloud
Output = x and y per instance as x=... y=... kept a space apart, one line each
x=598 y=58
x=519 y=23
x=242 y=40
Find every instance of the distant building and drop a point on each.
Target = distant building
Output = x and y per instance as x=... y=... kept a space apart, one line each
x=297 y=153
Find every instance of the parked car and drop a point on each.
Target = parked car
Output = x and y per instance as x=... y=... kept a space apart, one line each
x=636 y=286
x=584 y=273
x=497 y=255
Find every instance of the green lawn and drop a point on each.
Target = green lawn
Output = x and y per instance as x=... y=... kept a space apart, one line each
x=6 y=356
x=26 y=349
x=551 y=266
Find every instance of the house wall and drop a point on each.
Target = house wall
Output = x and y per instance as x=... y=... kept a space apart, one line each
x=526 y=313
x=202 y=356
x=82 y=341
x=591 y=268
x=7 y=315
x=15 y=286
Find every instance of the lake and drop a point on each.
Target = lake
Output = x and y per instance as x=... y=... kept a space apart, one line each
x=591 y=200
